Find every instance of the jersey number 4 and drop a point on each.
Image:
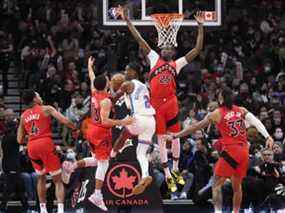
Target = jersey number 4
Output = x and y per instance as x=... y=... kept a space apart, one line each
x=34 y=130
x=237 y=127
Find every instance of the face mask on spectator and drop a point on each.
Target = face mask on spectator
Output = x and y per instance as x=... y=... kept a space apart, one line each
x=71 y=155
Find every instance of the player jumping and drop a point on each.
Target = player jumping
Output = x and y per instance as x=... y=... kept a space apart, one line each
x=233 y=161
x=99 y=132
x=163 y=92
x=36 y=123
x=137 y=100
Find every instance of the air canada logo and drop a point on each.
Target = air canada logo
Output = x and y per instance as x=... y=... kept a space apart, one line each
x=121 y=180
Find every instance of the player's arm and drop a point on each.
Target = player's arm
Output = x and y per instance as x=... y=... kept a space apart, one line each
x=210 y=118
x=106 y=105
x=181 y=62
x=254 y=121
x=143 y=44
x=91 y=73
x=49 y=110
x=21 y=132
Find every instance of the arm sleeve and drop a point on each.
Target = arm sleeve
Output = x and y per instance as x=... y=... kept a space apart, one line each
x=252 y=120
x=153 y=58
x=180 y=63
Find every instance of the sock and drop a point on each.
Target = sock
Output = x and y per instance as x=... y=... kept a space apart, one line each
x=98 y=192
x=102 y=167
x=60 y=208
x=43 y=208
x=142 y=159
x=175 y=148
x=163 y=155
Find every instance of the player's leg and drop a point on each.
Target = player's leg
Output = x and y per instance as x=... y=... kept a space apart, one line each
x=34 y=153
x=59 y=190
x=144 y=141
x=69 y=167
x=217 y=193
x=120 y=141
x=53 y=167
x=237 y=192
x=41 y=189
x=102 y=152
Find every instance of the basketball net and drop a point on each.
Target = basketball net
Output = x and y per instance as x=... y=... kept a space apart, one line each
x=167 y=26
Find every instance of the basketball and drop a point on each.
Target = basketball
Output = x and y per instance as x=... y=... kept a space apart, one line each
x=116 y=81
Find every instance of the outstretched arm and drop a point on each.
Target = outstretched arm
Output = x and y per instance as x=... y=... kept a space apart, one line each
x=143 y=44
x=254 y=121
x=212 y=117
x=91 y=73
x=106 y=105
x=49 y=110
x=200 y=38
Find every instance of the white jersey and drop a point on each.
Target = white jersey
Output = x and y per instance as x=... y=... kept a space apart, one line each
x=138 y=101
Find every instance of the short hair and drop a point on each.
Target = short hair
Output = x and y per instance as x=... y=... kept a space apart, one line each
x=227 y=95
x=100 y=82
x=28 y=96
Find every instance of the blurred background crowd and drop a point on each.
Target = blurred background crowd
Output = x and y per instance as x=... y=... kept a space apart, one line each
x=49 y=43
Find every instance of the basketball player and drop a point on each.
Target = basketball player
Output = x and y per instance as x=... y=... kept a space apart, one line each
x=137 y=100
x=36 y=123
x=233 y=161
x=163 y=92
x=99 y=132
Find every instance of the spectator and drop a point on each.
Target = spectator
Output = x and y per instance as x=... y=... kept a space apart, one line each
x=11 y=163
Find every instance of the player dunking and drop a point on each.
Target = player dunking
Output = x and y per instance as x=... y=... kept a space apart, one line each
x=163 y=92
x=233 y=161
x=137 y=100
x=36 y=123
x=99 y=133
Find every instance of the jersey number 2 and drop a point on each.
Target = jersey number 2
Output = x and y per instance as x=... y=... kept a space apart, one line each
x=146 y=101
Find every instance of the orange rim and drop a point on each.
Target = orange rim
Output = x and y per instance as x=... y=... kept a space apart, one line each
x=164 y=19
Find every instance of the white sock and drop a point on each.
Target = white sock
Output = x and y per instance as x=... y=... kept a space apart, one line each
x=43 y=207
x=60 y=208
x=98 y=192
x=142 y=159
x=175 y=148
x=102 y=167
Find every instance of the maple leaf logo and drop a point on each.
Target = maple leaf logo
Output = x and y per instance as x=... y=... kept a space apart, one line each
x=123 y=181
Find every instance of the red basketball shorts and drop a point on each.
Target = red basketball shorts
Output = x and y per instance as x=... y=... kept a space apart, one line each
x=240 y=153
x=43 y=156
x=166 y=116
x=100 y=140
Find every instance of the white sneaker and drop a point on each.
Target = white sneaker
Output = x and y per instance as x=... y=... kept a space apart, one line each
x=174 y=197
x=183 y=196
x=98 y=201
x=67 y=170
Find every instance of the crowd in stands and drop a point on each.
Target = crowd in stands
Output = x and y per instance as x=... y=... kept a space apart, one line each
x=50 y=42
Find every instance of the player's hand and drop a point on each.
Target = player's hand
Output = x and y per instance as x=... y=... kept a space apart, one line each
x=91 y=61
x=269 y=142
x=127 y=121
x=123 y=12
x=169 y=137
x=199 y=16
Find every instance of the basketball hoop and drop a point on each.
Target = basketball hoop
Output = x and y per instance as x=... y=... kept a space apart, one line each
x=167 y=25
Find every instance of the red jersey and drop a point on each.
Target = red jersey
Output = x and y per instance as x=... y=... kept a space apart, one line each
x=162 y=81
x=36 y=123
x=97 y=97
x=232 y=126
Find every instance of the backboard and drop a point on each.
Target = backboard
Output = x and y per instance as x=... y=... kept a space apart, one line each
x=140 y=11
